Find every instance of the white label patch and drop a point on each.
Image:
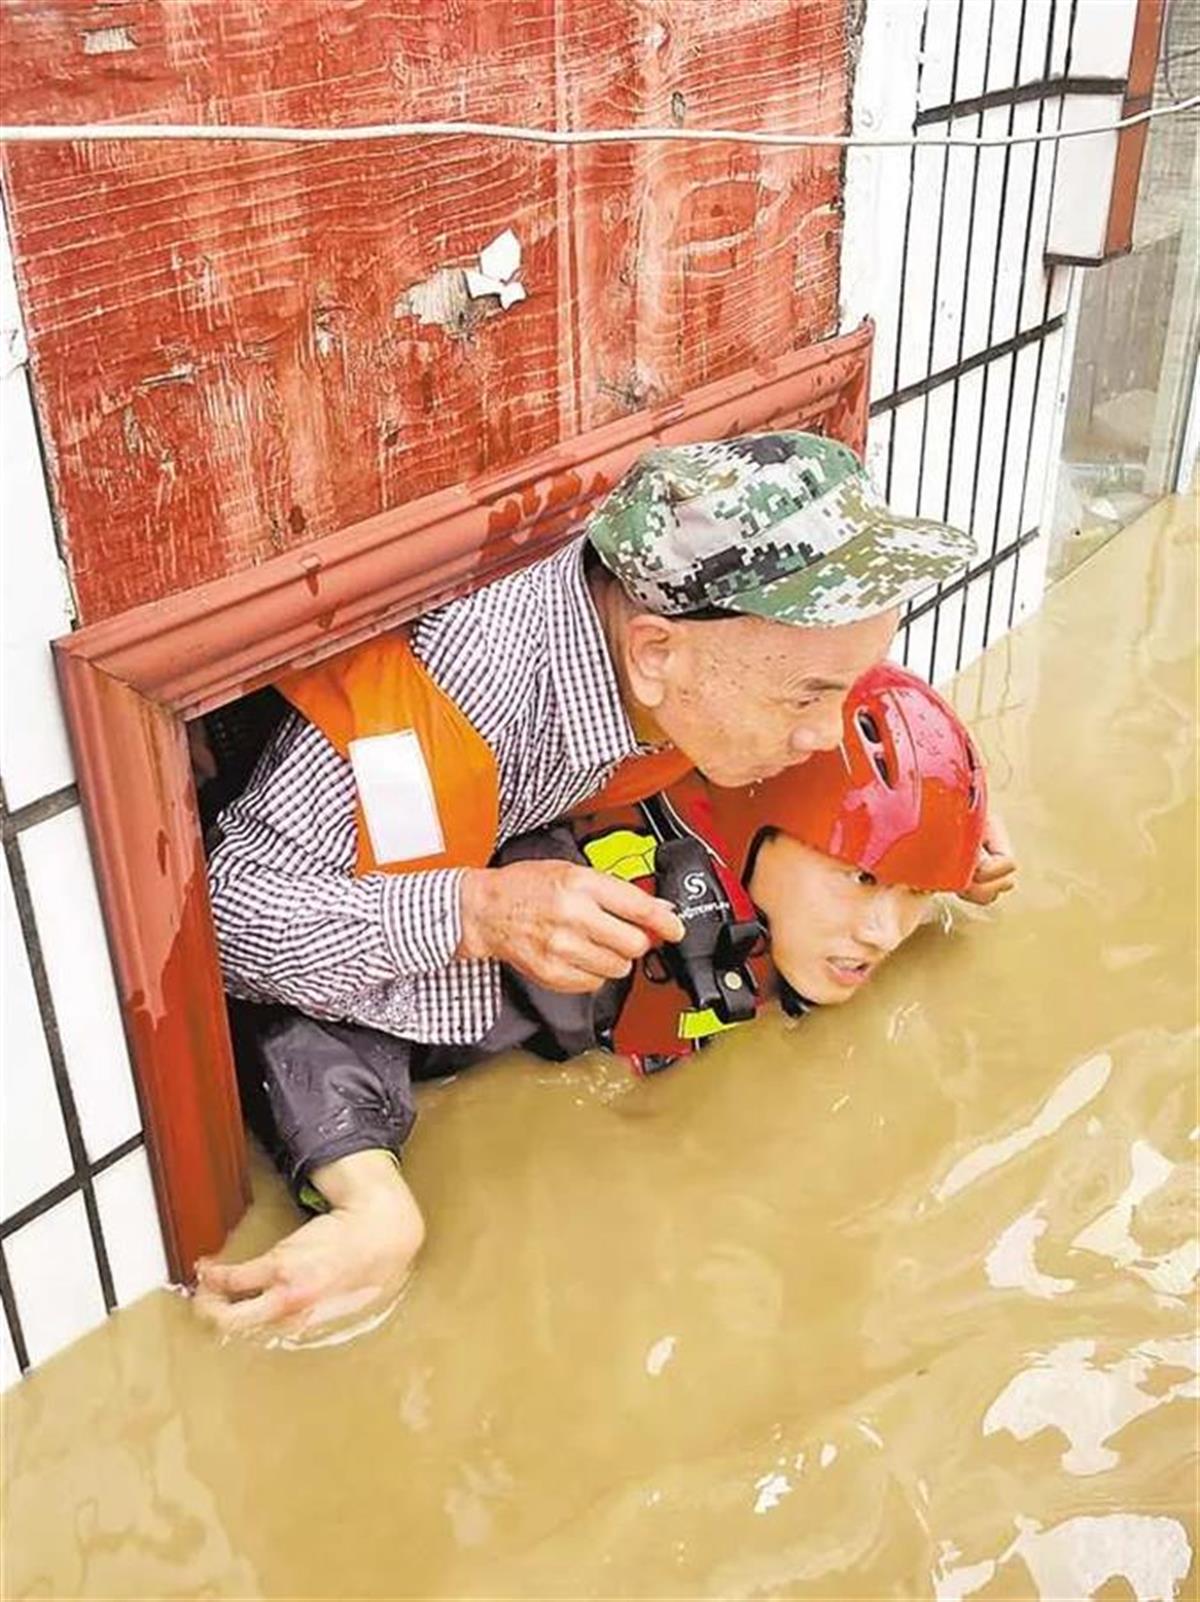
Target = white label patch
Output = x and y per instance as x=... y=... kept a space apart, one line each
x=397 y=796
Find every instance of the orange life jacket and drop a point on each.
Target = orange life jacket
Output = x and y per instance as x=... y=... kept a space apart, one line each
x=428 y=788
x=656 y=1019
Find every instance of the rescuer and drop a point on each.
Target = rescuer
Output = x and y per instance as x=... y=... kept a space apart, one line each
x=722 y=601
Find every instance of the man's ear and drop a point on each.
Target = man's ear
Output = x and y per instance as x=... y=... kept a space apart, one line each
x=651 y=644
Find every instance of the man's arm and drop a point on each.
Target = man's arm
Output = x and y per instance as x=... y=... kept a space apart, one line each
x=295 y=926
x=350 y=1261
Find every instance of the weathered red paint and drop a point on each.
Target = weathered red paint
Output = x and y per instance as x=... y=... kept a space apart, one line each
x=228 y=343
x=130 y=681
x=139 y=803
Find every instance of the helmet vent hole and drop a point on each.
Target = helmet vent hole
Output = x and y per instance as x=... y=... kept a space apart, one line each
x=872 y=741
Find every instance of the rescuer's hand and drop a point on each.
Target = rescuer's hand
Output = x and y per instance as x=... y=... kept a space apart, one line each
x=345 y=1263
x=566 y=926
x=996 y=867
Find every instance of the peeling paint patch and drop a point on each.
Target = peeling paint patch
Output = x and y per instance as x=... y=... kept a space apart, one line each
x=633 y=390
x=442 y=300
x=131 y=430
x=325 y=336
x=499 y=264
x=108 y=41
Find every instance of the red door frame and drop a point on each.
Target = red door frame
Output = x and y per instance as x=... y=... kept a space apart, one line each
x=131 y=682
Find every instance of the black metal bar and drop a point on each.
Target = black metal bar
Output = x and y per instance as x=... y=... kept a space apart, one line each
x=12 y=1316
x=889 y=403
x=58 y=1063
x=996 y=99
x=980 y=570
x=48 y=806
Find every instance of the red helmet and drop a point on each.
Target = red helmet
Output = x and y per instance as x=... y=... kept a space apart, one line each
x=904 y=797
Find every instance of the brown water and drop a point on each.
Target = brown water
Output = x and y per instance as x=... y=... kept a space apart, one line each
x=892 y=1302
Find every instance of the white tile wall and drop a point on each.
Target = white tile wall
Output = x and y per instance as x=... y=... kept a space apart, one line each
x=67 y=911
x=34 y=1155
x=129 y=1218
x=34 y=756
x=54 y=1277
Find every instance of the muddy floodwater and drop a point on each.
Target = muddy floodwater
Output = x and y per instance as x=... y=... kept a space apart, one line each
x=894 y=1301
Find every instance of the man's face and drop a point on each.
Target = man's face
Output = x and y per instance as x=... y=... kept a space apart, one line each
x=831 y=925
x=745 y=698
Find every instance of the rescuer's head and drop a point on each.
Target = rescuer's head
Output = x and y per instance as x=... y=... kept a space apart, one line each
x=842 y=855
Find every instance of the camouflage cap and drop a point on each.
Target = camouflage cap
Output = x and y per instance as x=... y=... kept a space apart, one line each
x=783 y=526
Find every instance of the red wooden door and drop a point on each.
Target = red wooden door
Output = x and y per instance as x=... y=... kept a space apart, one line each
x=240 y=348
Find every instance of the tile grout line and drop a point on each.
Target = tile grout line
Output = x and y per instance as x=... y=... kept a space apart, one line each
x=67 y=1187
x=39 y=811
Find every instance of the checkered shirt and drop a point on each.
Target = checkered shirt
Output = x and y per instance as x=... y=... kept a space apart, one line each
x=527 y=662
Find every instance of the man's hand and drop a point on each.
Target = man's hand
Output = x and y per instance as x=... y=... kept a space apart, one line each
x=564 y=925
x=342 y=1263
x=995 y=868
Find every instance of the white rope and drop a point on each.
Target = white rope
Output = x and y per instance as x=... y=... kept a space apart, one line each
x=253 y=133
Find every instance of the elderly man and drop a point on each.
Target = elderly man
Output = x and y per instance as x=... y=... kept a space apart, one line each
x=724 y=598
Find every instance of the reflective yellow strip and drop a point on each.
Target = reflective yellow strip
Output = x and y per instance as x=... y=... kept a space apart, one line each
x=623 y=853
x=699 y=1025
